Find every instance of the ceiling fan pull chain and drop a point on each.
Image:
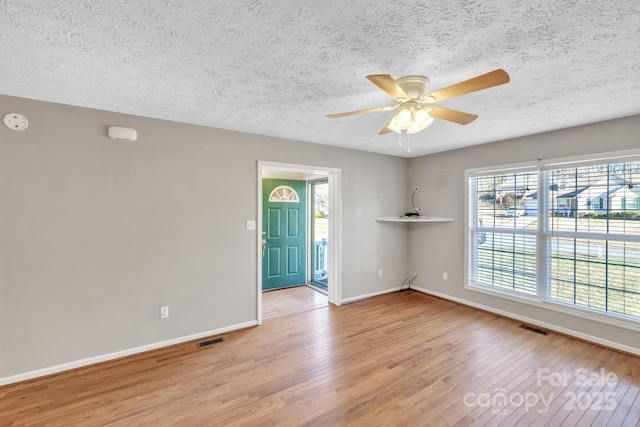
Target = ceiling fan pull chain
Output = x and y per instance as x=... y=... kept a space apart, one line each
x=404 y=136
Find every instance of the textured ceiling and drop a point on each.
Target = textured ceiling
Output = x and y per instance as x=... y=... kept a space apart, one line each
x=278 y=67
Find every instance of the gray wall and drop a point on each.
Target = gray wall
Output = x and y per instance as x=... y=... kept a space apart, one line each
x=437 y=248
x=98 y=234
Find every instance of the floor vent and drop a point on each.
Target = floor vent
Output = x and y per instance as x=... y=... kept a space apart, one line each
x=210 y=342
x=537 y=331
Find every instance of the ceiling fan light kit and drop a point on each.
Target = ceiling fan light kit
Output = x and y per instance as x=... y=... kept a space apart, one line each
x=411 y=118
x=410 y=93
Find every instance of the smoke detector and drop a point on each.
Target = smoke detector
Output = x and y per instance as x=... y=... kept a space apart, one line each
x=16 y=121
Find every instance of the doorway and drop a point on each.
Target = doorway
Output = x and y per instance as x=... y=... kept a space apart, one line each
x=329 y=199
x=319 y=233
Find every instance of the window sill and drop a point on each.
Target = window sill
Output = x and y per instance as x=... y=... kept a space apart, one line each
x=612 y=320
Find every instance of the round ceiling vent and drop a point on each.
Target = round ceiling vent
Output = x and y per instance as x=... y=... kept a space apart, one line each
x=16 y=121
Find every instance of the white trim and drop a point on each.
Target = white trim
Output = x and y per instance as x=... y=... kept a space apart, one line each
x=259 y=245
x=334 y=251
x=570 y=310
x=334 y=248
x=591 y=159
x=371 y=295
x=511 y=294
x=545 y=325
x=308 y=274
x=469 y=217
x=502 y=169
x=119 y=354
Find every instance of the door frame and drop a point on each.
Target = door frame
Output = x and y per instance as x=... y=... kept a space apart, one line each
x=334 y=248
x=310 y=226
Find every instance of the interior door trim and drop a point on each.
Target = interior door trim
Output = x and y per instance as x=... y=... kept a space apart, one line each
x=334 y=249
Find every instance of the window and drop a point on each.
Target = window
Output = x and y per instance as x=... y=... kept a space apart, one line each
x=559 y=251
x=504 y=243
x=284 y=193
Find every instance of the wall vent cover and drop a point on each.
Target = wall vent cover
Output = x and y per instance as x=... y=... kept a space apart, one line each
x=537 y=331
x=209 y=342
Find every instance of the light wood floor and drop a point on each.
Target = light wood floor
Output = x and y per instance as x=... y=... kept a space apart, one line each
x=401 y=359
x=290 y=301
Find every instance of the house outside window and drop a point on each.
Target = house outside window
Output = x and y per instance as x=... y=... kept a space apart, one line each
x=506 y=257
x=562 y=254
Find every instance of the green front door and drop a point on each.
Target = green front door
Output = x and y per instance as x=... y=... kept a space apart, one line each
x=284 y=233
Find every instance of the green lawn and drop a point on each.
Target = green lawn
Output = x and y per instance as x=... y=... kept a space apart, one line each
x=583 y=280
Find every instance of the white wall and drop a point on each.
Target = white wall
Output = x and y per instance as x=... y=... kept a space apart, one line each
x=98 y=234
x=438 y=248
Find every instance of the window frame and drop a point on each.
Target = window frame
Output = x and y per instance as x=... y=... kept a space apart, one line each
x=543 y=233
x=507 y=169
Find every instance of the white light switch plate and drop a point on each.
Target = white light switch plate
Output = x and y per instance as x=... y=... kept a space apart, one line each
x=251 y=225
x=164 y=312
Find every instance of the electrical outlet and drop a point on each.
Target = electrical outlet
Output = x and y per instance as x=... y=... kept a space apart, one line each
x=444 y=275
x=164 y=312
x=380 y=273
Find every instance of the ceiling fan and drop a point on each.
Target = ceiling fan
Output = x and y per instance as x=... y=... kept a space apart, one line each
x=416 y=113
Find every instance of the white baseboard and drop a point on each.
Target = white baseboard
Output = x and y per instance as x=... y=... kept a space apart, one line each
x=544 y=325
x=118 y=354
x=375 y=294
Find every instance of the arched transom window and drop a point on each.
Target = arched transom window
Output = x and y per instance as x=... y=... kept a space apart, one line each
x=284 y=193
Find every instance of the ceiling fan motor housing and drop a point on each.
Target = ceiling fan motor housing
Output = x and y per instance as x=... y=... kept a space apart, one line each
x=414 y=86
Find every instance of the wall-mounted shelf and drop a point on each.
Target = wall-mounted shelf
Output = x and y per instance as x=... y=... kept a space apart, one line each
x=414 y=219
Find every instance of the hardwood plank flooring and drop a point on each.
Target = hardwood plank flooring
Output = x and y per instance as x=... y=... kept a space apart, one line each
x=290 y=301
x=401 y=359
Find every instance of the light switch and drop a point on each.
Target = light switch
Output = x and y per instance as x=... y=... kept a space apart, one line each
x=251 y=225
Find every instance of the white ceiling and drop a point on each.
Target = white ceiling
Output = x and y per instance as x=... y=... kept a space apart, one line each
x=278 y=67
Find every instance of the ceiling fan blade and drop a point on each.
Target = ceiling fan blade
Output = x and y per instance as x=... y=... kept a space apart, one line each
x=385 y=130
x=451 y=115
x=369 y=110
x=485 y=81
x=389 y=85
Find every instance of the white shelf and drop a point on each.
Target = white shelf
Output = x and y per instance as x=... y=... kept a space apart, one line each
x=414 y=219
